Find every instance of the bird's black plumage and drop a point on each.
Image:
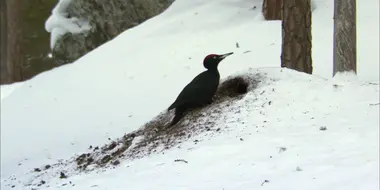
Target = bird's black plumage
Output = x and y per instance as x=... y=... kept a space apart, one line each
x=200 y=90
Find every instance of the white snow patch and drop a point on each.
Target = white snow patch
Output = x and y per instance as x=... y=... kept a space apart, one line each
x=344 y=77
x=59 y=24
x=7 y=89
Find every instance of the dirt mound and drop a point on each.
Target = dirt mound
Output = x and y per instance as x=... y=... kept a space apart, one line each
x=156 y=136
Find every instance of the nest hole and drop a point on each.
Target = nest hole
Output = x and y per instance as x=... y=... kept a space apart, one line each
x=232 y=88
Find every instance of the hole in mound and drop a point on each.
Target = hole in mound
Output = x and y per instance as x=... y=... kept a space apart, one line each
x=232 y=88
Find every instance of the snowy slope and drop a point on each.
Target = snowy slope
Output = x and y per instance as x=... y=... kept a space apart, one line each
x=7 y=89
x=124 y=83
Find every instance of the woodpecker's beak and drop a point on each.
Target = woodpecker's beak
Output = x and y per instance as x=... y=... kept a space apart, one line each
x=225 y=55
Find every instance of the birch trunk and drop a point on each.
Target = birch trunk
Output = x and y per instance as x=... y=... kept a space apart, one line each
x=344 y=36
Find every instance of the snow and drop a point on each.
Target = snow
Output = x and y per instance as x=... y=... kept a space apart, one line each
x=126 y=82
x=60 y=23
x=7 y=89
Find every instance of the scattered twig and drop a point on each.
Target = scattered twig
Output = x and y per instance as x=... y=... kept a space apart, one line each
x=374 y=104
x=247 y=52
x=269 y=103
x=336 y=85
x=116 y=162
x=62 y=175
x=47 y=167
x=281 y=149
x=265 y=181
x=323 y=128
x=181 y=160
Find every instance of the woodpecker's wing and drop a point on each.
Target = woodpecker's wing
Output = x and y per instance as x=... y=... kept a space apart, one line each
x=198 y=91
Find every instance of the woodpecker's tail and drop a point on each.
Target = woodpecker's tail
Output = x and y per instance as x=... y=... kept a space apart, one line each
x=179 y=113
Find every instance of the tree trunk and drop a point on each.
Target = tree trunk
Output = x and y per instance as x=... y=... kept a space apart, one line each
x=11 y=38
x=15 y=56
x=5 y=77
x=344 y=36
x=272 y=9
x=296 y=35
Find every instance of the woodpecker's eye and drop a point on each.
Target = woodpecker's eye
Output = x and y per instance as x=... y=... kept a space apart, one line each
x=214 y=57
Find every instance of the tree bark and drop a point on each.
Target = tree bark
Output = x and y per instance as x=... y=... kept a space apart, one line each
x=296 y=35
x=272 y=9
x=15 y=56
x=344 y=36
x=5 y=77
x=11 y=38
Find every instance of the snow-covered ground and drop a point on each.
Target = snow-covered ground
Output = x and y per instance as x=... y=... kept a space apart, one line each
x=7 y=89
x=126 y=82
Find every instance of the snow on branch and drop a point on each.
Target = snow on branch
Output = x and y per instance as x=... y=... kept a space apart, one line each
x=59 y=23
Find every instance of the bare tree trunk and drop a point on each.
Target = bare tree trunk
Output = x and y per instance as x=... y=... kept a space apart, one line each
x=5 y=76
x=296 y=35
x=15 y=56
x=344 y=36
x=11 y=37
x=272 y=9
